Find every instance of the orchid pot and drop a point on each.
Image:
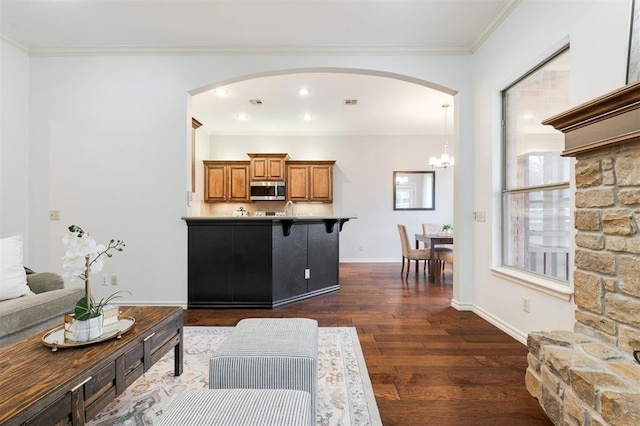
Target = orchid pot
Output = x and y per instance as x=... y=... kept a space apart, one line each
x=83 y=330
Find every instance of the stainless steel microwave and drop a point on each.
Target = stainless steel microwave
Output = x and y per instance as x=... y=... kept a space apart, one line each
x=268 y=191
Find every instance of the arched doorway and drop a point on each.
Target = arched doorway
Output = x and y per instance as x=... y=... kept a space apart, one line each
x=366 y=156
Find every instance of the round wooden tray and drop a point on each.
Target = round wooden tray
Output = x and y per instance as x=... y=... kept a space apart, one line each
x=55 y=338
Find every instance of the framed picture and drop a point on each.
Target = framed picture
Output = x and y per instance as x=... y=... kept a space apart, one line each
x=633 y=65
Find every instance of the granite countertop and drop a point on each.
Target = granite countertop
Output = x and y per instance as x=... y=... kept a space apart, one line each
x=265 y=218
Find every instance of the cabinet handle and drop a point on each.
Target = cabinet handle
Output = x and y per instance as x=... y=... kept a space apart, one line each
x=81 y=384
x=149 y=337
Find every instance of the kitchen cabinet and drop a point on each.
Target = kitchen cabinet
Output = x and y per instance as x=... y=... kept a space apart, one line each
x=268 y=166
x=226 y=181
x=310 y=181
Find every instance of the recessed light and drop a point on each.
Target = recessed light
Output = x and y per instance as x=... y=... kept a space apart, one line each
x=303 y=91
x=242 y=116
x=528 y=116
x=221 y=91
x=307 y=117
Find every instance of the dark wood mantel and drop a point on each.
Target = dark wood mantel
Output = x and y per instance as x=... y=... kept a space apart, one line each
x=606 y=121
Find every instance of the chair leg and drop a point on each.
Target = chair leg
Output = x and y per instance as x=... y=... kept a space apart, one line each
x=406 y=275
x=402 y=270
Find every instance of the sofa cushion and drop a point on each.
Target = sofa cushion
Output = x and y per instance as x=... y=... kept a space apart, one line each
x=25 y=312
x=13 y=279
x=44 y=281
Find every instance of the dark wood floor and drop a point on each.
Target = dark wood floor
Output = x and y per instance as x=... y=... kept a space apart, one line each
x=429 y=364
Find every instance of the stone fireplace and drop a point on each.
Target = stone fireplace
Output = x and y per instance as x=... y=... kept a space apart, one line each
x=588 y=376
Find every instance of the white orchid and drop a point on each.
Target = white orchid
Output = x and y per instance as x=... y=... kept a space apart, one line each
x=79 y=246
x=82 y=257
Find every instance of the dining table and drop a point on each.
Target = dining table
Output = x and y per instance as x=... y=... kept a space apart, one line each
x=432 y=240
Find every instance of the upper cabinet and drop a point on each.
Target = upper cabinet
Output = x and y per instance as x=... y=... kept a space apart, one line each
x=268 y=166
x=310 y=181
x=226 y=181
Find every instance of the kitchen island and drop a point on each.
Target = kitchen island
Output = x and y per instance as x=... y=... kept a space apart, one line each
x=261 y=262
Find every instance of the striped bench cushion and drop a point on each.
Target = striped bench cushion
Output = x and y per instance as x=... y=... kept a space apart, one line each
x=236 y=407
x=268 y=353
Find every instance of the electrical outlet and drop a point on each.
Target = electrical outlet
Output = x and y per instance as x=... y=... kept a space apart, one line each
x=105 y=279
x=480 y=216
x=307 y=274
x=526 y=304
x=114 y=280
x=361 y=248
x=54 y=214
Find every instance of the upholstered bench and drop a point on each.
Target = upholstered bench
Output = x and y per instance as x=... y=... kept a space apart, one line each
x=240 y=407
x=268 y=353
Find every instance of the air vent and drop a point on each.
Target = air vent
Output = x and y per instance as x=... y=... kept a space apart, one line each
x=352 y=102
x=255 y=102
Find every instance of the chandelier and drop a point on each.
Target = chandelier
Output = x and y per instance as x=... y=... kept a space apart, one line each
x=445 y=160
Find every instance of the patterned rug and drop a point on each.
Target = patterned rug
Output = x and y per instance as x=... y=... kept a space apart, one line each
x=345 y=395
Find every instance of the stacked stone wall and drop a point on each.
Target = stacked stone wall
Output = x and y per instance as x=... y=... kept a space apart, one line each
x=607 y=256
x=588 y=376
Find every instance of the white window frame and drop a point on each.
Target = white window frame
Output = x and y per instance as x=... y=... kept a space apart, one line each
x=558 y=288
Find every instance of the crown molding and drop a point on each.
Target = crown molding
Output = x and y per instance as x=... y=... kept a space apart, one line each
x=7 y=38
x=247 y=50
x=493 y=24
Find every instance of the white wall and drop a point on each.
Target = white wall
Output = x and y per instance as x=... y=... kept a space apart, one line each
x=598 y=34
x=14 y=142
x=363 y=183
x=109 y=140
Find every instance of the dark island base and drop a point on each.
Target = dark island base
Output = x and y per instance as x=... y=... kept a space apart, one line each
x=261 y=263
x=262 y=305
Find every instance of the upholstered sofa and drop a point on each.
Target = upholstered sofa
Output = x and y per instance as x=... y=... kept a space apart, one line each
x=35 y=313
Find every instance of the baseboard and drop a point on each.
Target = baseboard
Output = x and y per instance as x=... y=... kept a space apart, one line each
x=183 y=305
x=374 y=260
x=461 y=306
x=516 y=334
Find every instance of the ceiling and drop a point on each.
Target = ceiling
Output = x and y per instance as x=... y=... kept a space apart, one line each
x=386 y=104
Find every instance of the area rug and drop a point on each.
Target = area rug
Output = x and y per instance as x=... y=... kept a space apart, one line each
x=345 y=395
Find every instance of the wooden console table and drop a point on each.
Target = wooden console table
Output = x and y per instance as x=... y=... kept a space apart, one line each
x=72 y=385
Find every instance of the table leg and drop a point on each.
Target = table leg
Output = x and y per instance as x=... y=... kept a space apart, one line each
x=417 y=261
x=178 y=354
x=432 y=263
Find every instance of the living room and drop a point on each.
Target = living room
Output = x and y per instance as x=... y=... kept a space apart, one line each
x=103 y=138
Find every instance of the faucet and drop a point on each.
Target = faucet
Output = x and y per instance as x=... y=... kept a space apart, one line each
x=286 y=207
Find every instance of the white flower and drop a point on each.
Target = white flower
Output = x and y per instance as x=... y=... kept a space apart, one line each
x=98 y=262
x=80 y=246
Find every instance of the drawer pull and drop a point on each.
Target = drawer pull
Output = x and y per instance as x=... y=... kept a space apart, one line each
x=81 y=384
x=149 y=337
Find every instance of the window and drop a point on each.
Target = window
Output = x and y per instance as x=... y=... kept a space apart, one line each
x=536 y=198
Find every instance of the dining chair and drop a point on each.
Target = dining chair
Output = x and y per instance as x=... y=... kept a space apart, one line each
x=431 y=228
x=445 y=256
x=409 y=253
x=435 y=228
